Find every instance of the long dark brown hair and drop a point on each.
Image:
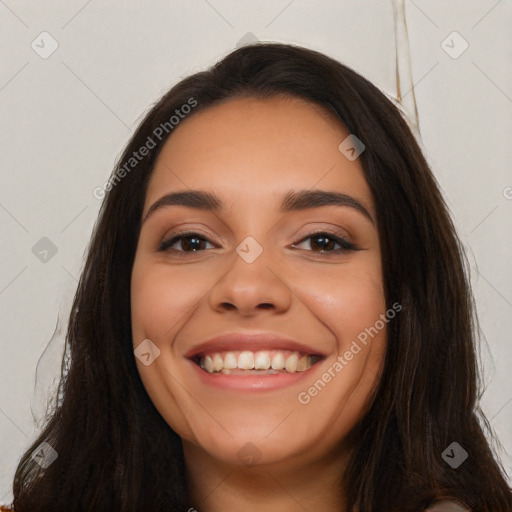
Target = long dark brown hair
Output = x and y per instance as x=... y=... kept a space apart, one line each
x=115 y=451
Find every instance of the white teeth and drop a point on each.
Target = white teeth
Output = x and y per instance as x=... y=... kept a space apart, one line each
x=230 y=361
x=272 y=362
x=208 y=364
x=262 y=361
x=246 y=360
x=218 y=363
x=291 y=363
x=278 y=361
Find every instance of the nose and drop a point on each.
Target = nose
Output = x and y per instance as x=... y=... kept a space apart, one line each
x=248 y=288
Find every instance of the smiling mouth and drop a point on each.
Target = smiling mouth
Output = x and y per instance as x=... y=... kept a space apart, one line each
x=262 y=362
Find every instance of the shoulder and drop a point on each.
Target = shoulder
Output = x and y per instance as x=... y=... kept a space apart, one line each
x=5 y=509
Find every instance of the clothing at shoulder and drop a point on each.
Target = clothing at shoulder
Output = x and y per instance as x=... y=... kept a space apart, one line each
x=447 y=505
x=6 y=509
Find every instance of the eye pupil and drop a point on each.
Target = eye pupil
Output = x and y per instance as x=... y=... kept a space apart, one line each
x=326 y=242
x=191 y=242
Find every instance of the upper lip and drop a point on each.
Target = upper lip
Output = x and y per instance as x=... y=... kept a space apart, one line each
x=252 y=342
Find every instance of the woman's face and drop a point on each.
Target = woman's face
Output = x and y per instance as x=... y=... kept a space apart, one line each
x=283 y=275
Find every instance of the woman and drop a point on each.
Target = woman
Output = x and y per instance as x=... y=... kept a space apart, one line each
x=274 y=313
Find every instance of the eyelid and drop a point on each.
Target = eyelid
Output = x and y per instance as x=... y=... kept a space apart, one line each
x=191 y=228
x=316 y=229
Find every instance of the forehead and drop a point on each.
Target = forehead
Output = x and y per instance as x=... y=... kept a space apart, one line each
x=251 y=149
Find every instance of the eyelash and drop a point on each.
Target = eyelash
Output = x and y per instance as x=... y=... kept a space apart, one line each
x=345 y=245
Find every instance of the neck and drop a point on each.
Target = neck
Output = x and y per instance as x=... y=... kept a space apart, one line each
x=217 y=486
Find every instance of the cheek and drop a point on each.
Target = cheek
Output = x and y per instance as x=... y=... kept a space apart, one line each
x=350 y=302
x=163 y=298
x=347 y=299
x=351 y=305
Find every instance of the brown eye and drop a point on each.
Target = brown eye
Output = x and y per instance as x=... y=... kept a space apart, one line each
x=326 y=243
x=186 y=242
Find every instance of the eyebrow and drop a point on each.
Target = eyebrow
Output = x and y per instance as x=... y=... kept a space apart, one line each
x=293 y=200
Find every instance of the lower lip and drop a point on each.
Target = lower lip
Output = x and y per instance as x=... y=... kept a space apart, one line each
x=251 y=382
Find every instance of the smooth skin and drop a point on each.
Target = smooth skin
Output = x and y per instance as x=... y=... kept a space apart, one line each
x=250 y=152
